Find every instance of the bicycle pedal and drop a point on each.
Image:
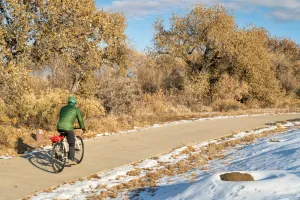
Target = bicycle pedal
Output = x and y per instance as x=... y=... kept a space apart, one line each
x=72 y=162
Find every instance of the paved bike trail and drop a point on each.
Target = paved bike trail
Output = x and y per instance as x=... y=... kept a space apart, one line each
x=20 y=177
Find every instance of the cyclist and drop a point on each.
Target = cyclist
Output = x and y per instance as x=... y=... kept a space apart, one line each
x=68 y=115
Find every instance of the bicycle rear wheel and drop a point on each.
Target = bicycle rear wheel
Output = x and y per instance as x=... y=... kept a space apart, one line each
x=79 y=149
x=58 y=159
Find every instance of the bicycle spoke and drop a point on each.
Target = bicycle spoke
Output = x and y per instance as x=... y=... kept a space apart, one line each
x=58 y=157
x=79 y=149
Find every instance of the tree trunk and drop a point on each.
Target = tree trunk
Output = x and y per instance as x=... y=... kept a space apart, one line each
x=76 y=82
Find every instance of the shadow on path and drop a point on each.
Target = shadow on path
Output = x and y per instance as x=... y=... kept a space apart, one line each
x=41 y=160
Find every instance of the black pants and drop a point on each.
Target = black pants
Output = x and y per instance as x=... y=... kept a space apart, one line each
x=71 y=140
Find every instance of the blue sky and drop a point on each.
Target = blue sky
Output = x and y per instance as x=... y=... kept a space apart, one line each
x=281 y=18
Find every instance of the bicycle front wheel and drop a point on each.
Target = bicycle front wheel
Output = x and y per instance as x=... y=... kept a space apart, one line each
x=58 y=159
x=79 y=149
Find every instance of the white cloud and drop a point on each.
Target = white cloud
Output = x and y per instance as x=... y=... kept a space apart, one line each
x=286 y=15
x=144 y=8
x=279 y=10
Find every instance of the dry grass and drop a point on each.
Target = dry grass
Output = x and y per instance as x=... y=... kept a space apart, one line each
x=101 y=186
x=102 y=196
x=236 y=176
x=189 y=150
x=119 y=177
x=112 y=193
x=94 y=176
x=227 y=106
x=134 y=172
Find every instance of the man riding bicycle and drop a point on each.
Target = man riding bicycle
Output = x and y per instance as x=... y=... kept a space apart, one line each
x=68 y=115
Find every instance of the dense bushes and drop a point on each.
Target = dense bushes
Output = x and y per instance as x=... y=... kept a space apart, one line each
x=118 y=94
x=230 y=88
x=227 y=105
x=7 y=140
x=204 y=62
x=42 y=110
x=157 y=106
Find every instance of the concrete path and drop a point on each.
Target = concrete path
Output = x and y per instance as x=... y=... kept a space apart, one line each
x=20 y=177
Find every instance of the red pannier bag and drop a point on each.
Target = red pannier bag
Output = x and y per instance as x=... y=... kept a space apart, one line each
x=57 y=138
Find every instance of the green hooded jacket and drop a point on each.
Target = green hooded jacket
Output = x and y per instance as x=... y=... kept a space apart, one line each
x=68 y=115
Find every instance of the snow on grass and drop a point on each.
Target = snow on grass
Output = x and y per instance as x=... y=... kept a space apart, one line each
x=288 y=124
x=169 y=158
x=149 y=163
x=199 y=183
x=268 y=185
x=114 y=174
x=243 y=134
x=82 y=189
x=274 y=166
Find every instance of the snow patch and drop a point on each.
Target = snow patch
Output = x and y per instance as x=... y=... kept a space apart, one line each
x=5 y=157
x=271 y=185
x=274 y=166
x=147 y=164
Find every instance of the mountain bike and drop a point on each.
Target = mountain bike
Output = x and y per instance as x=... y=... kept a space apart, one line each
x=60 y=151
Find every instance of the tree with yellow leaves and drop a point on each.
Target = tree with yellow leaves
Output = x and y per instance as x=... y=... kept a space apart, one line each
x=208 y=40
x=75 y=32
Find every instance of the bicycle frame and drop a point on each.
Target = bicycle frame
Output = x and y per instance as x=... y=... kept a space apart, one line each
x=66 y=145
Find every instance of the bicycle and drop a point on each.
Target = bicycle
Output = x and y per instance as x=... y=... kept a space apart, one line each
x=60 y=151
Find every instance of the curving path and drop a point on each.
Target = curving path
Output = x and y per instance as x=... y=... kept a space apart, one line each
x=20 y=177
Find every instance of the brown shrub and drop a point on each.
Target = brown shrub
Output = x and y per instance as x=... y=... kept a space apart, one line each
x=236 y=176
x=42 y=111
x=175 y=80
x=195 y=94
x=118 y=94
x=8 y=137
x=150 y=79
x=90 y=108
x=109 y=123
x=229 y=87
x=157 y=107
x=227 y=105
x=14 y=82
x=290 y=104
